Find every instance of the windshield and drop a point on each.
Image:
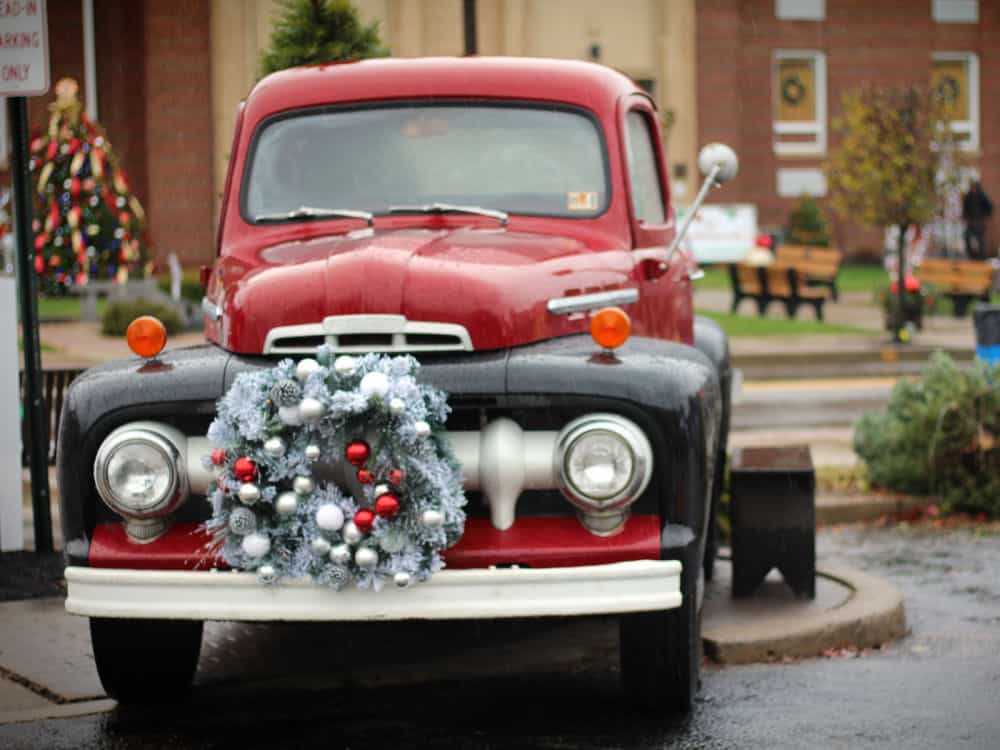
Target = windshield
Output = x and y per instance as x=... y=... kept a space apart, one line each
x=515 y=159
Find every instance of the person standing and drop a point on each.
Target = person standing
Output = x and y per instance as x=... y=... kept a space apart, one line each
x=976 y=211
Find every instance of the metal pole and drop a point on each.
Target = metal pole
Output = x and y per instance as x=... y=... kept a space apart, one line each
x=469 y=27
x=27 y=282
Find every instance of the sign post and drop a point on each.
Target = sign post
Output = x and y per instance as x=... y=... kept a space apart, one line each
x=24 y=71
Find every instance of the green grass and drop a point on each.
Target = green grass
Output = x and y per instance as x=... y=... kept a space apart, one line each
x=753 y=325
x=850 y=278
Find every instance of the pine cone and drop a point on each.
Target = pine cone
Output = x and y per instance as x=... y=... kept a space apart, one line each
x=286 y=393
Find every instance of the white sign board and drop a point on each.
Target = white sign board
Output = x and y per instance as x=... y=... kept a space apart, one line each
x=721 y=233
x=24 y=48
x=11 y=508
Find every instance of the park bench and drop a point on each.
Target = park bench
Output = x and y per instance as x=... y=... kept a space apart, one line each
x=776 y=282
x=963 y=281
x=55 y=384
x=819 y=265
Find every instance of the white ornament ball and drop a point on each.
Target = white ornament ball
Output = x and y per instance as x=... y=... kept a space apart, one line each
x=345 y=366
x=242 y=521
x=286 y=504
x=274 y=447
x=313 y=452
x=401 y=579
x=374 y=384
x=267 y=574
x=352 y=534
x=310 y=410
x=396 y=406
x=303 y=485
x=341 y=554
x=249 y=493
x=432 y=519
x=320 y=546
x=366 y=557
x=381 y=489
x=305 y=368
x=289 y=415
x=330 y=517
x=422 y=429
x=255 y=545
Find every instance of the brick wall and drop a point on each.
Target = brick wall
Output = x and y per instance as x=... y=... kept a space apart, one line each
x=178 y=128
x=888 y=42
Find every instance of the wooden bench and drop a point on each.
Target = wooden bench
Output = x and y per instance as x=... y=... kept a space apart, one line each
x=819 y=265
x=777 y=281
x=964 y=281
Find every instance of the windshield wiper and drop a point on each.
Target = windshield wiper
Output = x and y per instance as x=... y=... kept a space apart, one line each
x=449 y=208
x=307 y=212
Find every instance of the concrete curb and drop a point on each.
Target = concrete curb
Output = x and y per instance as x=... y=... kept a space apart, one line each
x=872 y=615
x=833 y=508
x=57 y=711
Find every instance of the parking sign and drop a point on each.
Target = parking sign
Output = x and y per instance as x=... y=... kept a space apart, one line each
x=24 y=48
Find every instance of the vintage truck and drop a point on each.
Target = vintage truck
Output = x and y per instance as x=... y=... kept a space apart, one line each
x=475 y=213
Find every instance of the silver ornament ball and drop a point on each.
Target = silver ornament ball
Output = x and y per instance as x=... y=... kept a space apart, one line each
x=305 y=368
x=267 y=574
x=366 y=557
x=374 y=384
x=345 y=366
x=432 y=519
x=340 y=554
x=242 y=521
x=289 y=415
x=396 y=406
x=330 y=517
x=422 y=429
x=303 y=485
x=381 y=489
x=249 y=493
x=352 y=534
x=286 y=504
x=255 y=545
x=401 y=579
x=319 y=546
x=310 y=410
x=274 y=447
x=313 y=452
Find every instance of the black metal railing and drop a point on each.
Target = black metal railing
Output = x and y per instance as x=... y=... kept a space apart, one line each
x=55 y=383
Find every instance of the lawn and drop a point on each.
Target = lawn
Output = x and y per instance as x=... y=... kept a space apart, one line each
x=850 y=279
x=753 y=325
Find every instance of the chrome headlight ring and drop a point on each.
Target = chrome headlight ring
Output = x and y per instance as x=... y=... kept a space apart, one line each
x=621 y=459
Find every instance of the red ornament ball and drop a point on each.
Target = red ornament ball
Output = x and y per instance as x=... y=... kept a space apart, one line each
x=357 y=452
x=365 y=476
x=245 y=469
x=387 y=505
x=219 y=456
x=364 y=519
x=396 y=476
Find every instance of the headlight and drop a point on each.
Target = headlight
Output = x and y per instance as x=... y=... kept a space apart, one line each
x=140 y=473
x=604 y=463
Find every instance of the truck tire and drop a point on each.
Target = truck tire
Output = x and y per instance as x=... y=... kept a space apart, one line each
x=145 y=661
x=661 y=658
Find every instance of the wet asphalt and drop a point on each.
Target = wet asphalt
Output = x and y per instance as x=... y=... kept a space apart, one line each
x=937 y=688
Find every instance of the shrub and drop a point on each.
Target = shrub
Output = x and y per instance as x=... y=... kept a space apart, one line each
x=191 y=288
x=807 y=224
x=118 y=315
x=939 y=435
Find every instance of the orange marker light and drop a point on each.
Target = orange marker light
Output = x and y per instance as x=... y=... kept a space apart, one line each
x=146 y=336
x=610 y=327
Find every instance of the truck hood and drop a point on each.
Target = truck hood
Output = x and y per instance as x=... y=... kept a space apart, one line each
x=493 y=283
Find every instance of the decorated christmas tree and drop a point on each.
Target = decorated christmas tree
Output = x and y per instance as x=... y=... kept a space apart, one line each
x=88 y=225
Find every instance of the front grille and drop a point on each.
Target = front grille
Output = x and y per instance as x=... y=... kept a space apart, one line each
x=356 y=334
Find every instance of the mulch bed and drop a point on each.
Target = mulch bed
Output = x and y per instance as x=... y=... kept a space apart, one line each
x=29 y=575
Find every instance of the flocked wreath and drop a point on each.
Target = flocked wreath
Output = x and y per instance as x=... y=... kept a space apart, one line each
x=337 y=470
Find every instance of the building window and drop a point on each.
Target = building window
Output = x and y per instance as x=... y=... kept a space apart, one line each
x=799 y=96
x=955 y=79
x=955 y=11
x=800 y=10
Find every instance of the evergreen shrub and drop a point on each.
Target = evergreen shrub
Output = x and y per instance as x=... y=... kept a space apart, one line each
x=118 y=315
x=939 y=435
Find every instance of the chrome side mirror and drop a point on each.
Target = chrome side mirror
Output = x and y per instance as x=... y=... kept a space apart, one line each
x=719 y=164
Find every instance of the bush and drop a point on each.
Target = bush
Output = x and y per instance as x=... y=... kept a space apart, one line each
x=807 y=224
x=939 y=435
x=118 y=315
x=191 y=288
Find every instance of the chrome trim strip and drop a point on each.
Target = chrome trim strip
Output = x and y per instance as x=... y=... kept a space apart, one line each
x=210 y=309
x=588 y=302
x=395 y=326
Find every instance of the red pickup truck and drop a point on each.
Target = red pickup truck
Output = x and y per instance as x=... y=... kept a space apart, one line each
x=475 y=214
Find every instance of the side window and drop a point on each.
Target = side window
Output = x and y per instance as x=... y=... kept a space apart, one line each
x=643 y=172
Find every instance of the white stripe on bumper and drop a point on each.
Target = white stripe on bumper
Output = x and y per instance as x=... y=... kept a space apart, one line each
x=635 y=586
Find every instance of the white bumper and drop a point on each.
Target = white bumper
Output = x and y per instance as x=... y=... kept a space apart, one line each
x=636 y=586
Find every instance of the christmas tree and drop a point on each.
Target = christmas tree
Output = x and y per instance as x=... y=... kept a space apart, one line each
x=310 y=32
x=87 y=223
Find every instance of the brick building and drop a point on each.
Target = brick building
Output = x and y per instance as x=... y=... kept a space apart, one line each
x=165 y=76
x=771 y=74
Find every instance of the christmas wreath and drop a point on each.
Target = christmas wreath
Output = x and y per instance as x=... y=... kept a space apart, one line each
x=339 y=471
x=793 y=90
